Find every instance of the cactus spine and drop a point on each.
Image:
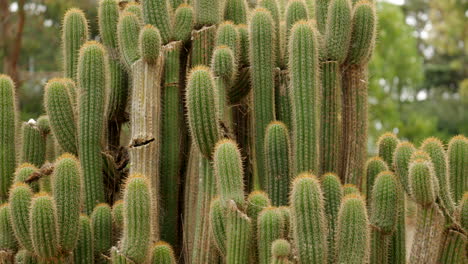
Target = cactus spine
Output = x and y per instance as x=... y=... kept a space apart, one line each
x=374 y=167
x=43 y=218
x=270 y=226
x=20 y=202
x=332 y=194
x=457 y=156
x=84 y=250
x=162 y=253
x=156 y=13
x=74 y=34
x=280 y=249
x=7 y=239
x=239 y=234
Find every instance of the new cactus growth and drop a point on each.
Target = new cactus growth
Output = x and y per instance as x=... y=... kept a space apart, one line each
x=218 y=212
x=7 y=239
x=457 y=159
x=43 y=221
x=20 y=202
x=280 y=249
x=387 y=144
x=33 y=145
x=150 y=44
x=157 y=13
x=401 y=162
x=128 y=30
x=270 y=226
x=236 y=11
x=374 y=167
x=350 y=189
x=84 y=250
x=332 y=194
x=162 y=253
x=239 y=234
x=183 y=22
x=74 y=34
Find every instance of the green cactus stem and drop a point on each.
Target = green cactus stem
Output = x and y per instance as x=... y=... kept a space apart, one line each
x=280 y=250
x=272 y=7
x=296 y=11
x=387 y=144
x=363 y=34
x=401 y=162
x=256 y=202
x=183 y=22
x=25 y=257
x=43 y=124
x=59 y=108
x=128 y=29
x=457 y=156
x=374 y=166
x=74 y=35
x=239 y=235
x=33 y=145
x=92 y=80
x=84 y=250
x=224 y=69
x=157 y=13
x=101 y=224
x=207 y=12
x=308 y=219
x=463 y=211
x=304 y=94
x=277 y=156
x=218 y=213
x=453 y=249
x=117 y=214
x=20 y=202
x=162 y=253
x=353 y=234
x=282 y=100
x=332 y=194
x=270 y=226
x=44 y=233
x=338 y=30
x=321 y=14
x=350 y=189
x=236 y=11
x=23 y=172
x=203 y=42
x=262 y=61
x=8 y=241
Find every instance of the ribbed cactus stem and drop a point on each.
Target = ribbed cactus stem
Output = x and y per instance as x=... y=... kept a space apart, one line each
x=7 y=134
x=353 y=234
x=150 y=43
x=162 y=253
x=20 y=202
x=203 y=43
x=277 y=157
x=338 y=30
x=183 y=22
x=33 y=145
x=457 y=155
x=308 y=219
x=321 y=14
x=272 y=7
x=84 y=250
x=303 y=66
x=74 y=34
x=262 y=61
x=218 y=213
x=128 y=29
x=44 y=233
x=423 y=184
x=101 y=224
x=224 y=68
x=270 y=227
x=66 y=186
x=363 y=34
x=332 y=194
x=464 y=212
x=117 y=214
x=387 y=144
x=374 y=166
x=227 y=165
x=256 y=202
x=43 y=124
x=227 y=35
x=92 y=80
x=157 y=13
x=350 y=189
x=401 y=162
x=239 y=235
x=134 y=8
x=207 y=12
x=8 y=244
x=136 y=238
x=280 y=250
x=23 y=172
x=296 y=11
x=25 y=257
x=236 y=11
x=453 y=249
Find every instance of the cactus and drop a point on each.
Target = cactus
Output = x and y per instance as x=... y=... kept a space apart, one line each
x=25 y=257
x=422 y=182
x=457 y=156
x=256 y=202
x=270 y=226
x=44 y=233
x=401 y=161
x=33 y=145
x=84 y=250
x=272 y=7
x=101 y=225
x=150 y=43
x=350 y=189
x=332 y=194
x=218 y=212
x=454 y=248
x=239 y=234
x=277 y=151
x=463 y=211
x=236 y=11
x=308 y=219
x=321 y=14
x=280 y=249
x=337 y=34
x=296 y=11
x=74 y=34
x=183 y=22
x=262 y=61
x=227 y=35
x=207 y=12
x=44 y=126
x=23 y=172
x=7 y=239
x=137 y=219
x=303 y=44
x=162 y=253
x=353 y=234
x=156 y=13
x=20 y=202
x=117 y=214
x=387 y=144
x=128 y=29
x=92 y=80
x=374 y=167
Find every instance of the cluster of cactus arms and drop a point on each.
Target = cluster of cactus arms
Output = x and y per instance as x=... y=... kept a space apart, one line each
x=247 y=144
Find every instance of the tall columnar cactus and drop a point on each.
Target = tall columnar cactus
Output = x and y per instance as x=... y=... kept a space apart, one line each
x=84 y=250
x=401 y=162
x=162 y=253
x=457 y=158
x=303 y=66
x=101 y=224
x=137 y=219
x=183 y=22
x=7 y=134
x=33 y=145
x=435 y=149
x=43 y=124
x=296 y=11
x=350 y=189
x=157 y=13
x=7 y=239
x=227 y=35
x=218 y=213
x=44 y=233
x=207 y=12
x=374 y=167
x=20 y=202
x=59 y=108
x=66 y=186
x=92 y=81
x=353 y=234
x=128 y=29
x=236 y=11
x=387 y=144
x=272 y=7
x=74 y=34
x=332 y=194
x=239 y=235
x=384 y=215
x=280 y=250
x=277 y=161
x=256 y=202
x=262 y=61
x=270 y=227
x=228 y=170
x=308 y=219
x=463 y=211
x=321 y=14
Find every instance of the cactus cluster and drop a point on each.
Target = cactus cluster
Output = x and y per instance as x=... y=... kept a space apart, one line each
x=247 y=144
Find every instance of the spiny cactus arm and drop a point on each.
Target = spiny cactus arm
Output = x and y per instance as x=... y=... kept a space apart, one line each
x=236 y=11
x=33 y=145
x=387 y=144
x=128 y=29
x=338 y=30
x=207 y=12
x=228 y=35
x=353 y=233
x=239 y=235
x=101 y=224
x=363 y=34
x=7 y=134
x=25 y=256
x=84 y=250
x=463 y=211
x=350 y=189
x=401 y=162
x=162 y=253
x=183 y=22
x=457 y=155
x=218 y=213
x=374 y=166
x=136 y=237
x=43 y=221
x=332 y=194
x=203 y=43
x=8 y=241
x=280 y=250
x=272 y=7
x=308 y=219
x=59 y=108
x=20 y=202
x=244 y=45
x=262 y=61
x=304 y=66
x=256 y=202
x=117 y=214
x=150 y=44
x=43 y=123
x=270 y=226
x=295 y=12
x=157 y=13
x=321 y=14
x=202 y=110
x=227 y=165
x=422 y=182
x=277 y=157
x=92 y=80
x=74 y=34
x=453 y=249
x=23 y=172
